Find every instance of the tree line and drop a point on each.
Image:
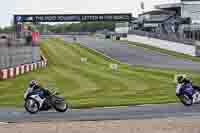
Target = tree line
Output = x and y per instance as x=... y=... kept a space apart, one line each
x=66 y=27
x=77 y=27
x=7 y=29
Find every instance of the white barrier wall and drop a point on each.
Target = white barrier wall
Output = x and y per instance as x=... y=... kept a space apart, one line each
x=172 y=46
x=197 y=50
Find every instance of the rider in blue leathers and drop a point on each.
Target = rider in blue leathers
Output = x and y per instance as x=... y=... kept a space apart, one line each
x=185 y=86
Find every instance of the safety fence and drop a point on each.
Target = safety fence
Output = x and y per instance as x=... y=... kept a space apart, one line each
x=19 y=55
x=13 y=72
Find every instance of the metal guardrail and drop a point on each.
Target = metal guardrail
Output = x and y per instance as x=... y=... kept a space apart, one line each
x=173 y=38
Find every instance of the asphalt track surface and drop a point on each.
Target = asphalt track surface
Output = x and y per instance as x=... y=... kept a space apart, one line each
x=97 y=114
x=131 y=54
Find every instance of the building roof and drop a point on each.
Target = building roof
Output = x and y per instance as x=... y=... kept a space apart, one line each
x=169 y=6
x=157 y=12
x=190 y=1
x=176 y=5
x=156 y=16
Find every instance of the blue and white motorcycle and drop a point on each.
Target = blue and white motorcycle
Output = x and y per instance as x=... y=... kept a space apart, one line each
x=188 y=96
x=35 y=103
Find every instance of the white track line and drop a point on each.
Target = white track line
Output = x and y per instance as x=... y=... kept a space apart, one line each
x=3 y=123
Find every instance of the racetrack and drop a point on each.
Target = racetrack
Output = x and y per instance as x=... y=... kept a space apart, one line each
x=96 y=114
x=134 y=55
x=127 y=54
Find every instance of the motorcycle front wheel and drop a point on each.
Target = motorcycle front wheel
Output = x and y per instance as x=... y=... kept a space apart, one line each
x=31 y=106
x=186 y=100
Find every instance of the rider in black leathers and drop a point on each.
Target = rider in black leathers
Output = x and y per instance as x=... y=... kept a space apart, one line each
x=35 y=88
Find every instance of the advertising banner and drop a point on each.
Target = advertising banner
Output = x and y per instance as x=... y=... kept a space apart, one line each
x=72 y=17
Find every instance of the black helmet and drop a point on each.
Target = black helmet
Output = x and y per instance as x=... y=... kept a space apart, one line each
x=180 y=79
x=33 y=83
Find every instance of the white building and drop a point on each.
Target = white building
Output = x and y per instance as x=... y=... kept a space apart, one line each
x=122 y=28
x=188 y=10
x=185 y=9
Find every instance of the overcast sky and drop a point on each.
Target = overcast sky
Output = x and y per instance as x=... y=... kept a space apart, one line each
x=9 y=7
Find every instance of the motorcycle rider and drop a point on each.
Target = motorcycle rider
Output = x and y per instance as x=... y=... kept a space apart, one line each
x=186 y=86
x=35 y=88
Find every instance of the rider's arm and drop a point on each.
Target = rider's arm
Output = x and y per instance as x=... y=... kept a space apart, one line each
x=178 y=89
x=47 y=92
x=29 y=90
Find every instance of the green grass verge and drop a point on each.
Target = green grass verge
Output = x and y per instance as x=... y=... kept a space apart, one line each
x=93 y=84
x=172 y=53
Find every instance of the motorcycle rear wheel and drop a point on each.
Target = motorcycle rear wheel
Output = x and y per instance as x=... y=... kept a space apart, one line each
x=61 y=107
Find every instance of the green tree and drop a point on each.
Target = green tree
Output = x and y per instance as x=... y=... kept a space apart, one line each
x=8 y=29
x=78 y=27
